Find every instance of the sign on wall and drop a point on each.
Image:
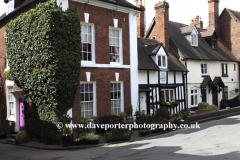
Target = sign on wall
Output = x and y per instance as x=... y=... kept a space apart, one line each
x=163 y=77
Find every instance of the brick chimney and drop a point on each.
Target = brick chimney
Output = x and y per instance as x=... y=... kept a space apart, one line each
x=140 y=19
x=198 y=23
x=213 y=15
x=162 y=23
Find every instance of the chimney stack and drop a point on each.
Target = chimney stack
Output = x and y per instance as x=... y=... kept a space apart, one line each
x=197 y=22
x=162 y=23
x=140 y=19
x=213 y=15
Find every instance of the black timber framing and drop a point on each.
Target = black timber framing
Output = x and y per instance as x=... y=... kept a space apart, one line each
x=183 y=77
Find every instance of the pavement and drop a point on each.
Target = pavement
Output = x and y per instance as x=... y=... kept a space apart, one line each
x=215 y=140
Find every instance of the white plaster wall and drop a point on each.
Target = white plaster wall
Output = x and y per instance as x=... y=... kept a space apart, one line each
x=153 y=77
x=179 y=77
x=64 y=4
x=171 y=77
x=133 y=59
x=142 y=77
x=214 y=69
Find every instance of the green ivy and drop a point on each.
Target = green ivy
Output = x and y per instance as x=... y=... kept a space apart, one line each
x=44 y=53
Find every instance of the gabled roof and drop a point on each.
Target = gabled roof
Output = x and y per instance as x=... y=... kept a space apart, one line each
x=202 y=52
x=206 y=81
x=235 y=14
x=218 y=81
x=145 y=62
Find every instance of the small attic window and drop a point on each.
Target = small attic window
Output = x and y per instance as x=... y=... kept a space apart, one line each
x=214 y=43
x=194 y=40
x=10 y=6
x=162 y=61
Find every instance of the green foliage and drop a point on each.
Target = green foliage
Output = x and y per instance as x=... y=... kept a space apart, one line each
x=214 y=108
x=90 y=136
x=67 y=130
x=22 y=137
x=116 y=132
x=163 y=112
x=95 y=118
x=7 y=75
x=43 y=47
x=129 y=109
x=114 y=114
x=85 y=122
x=203 y=105
x=122 y=114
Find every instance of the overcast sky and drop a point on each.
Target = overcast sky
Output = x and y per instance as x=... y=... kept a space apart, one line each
x=180 y=10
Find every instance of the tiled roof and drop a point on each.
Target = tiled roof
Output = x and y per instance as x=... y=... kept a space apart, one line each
x=207 y=33
x=145 y=62
x=235 y=13
x=203 y=51
x=218 y=81
x=206 y=81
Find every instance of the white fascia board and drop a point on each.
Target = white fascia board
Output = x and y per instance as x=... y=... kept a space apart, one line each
x=104 y=66
x=108 y=6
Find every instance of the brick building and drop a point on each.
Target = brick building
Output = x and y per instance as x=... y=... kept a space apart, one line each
x=109 y=53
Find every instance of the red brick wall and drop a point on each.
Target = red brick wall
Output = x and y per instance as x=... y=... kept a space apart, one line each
x=213 y=15
x=161 y=29
x=230 y=33
x=102 y=77
x=140 y=22
x=102 y=19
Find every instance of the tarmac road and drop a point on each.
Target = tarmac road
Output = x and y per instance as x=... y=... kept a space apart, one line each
x=215 y=140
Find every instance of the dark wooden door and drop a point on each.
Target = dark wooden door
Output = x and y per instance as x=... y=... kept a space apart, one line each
x=203 y=93
x=214 y=96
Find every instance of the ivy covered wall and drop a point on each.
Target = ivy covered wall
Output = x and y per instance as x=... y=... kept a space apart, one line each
x=43 y=49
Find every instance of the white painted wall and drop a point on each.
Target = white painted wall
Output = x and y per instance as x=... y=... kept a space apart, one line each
x=133 y=59
x=171 y=77
x=214 y=69
x=64 y=4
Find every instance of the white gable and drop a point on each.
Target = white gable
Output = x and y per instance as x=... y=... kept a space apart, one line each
x=161 y=51
x=194 y=31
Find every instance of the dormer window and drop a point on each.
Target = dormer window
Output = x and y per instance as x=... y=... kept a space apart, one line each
x=214 y=43
x=194 y=40
x=162 y=61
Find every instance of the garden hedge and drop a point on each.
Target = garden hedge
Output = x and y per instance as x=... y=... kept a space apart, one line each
x=44 y=53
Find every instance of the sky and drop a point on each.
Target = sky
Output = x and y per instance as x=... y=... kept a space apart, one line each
x=182 y=11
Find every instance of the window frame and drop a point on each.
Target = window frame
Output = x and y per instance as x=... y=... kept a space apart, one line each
x=10 y=4
x=94 y=98
x=194 y=36
x=173 y=97
x=120 y=46
x=121 y=98
x=224 y=68
x=205 y=69
x=9 y=84
x=161 y=56
x=225 y=93
x=92 y=44
x=194 y=95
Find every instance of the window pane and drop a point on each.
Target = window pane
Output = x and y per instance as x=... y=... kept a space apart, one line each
x=192 y=100
x=195 y=99
x=163 y=61
x=171 y=95
x=159 y=60
x=167 y=95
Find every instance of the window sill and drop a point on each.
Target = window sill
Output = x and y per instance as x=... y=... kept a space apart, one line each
x=224 y=75
x=115 y=63
x=10 y=118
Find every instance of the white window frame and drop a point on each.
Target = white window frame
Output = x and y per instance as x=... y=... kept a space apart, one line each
x=120 y=46
x=9 y=84
x=161 y=56
x=194 y=36
x=122 y=95
x=94 y=98
x=10 y=7
x=173 y=98
x=195 y=95
x=93 y=43
x=205 y=69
